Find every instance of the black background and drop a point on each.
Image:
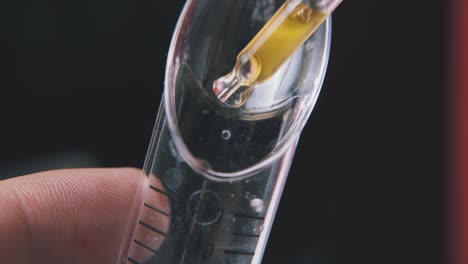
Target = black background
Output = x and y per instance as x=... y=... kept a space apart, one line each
x=81 y=83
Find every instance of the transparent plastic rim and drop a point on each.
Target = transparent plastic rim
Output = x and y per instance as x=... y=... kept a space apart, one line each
x=172 y=67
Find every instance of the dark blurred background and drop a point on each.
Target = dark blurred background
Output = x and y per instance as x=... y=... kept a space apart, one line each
x=81 y=83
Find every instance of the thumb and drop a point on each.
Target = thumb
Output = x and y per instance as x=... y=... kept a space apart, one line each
x=66 y=216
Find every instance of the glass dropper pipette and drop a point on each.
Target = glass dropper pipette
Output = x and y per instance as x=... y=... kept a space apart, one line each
x=285 y=32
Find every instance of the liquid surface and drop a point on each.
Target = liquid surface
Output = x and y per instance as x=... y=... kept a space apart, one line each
x=219 y=136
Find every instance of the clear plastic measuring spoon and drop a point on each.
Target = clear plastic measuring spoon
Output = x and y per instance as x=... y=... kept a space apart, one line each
x=215 y=173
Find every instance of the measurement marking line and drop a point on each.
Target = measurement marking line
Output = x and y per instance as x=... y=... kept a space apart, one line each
x=170 y=190
x=245 y=235
x=154 y=229
x=158 y=190
x=250 y=216
x=132 y=260
x=146 y=246
x=173 y=193
x=156 y=209
x=238 y=252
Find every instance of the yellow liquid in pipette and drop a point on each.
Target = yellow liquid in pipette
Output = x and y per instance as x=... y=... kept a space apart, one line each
x=283 y=34
x=279 y=45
